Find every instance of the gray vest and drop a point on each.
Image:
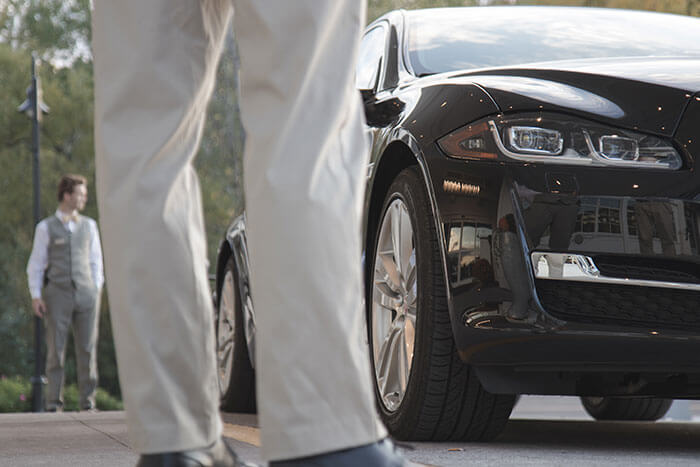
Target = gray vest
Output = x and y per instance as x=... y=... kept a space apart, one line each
x=69 y=260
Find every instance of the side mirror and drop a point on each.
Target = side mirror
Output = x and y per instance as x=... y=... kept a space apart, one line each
x=367 y=95
x=380 y=113
x=384 y=112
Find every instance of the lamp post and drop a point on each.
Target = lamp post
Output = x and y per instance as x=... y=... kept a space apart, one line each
x=34 y=107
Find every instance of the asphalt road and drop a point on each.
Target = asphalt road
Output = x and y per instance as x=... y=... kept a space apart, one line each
x=543 y=431
x=555 y=431
x=552 y=431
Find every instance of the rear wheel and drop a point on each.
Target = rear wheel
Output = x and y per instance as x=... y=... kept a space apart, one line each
x=235 y=373
x=424 y=391
x=626 y=409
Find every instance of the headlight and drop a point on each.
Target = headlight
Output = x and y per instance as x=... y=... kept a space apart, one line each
x=558 y=139
x=535 y=140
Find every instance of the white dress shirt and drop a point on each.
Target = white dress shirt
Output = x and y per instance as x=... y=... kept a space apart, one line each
x=39 y=259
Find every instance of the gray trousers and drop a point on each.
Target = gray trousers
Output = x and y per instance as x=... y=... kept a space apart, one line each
x=63 y=313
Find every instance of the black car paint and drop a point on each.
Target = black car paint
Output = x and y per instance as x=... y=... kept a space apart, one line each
x=542 y=354
x=564 y=357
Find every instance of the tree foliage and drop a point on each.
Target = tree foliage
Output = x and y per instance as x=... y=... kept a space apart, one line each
x=219 y=160
x=59 y=30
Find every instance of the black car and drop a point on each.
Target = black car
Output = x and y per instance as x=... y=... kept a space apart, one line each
x=532 y=217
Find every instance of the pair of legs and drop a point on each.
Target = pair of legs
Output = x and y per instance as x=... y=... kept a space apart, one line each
x=656 y=216
x=559 y=216
x=304 y=162
x=62 y=316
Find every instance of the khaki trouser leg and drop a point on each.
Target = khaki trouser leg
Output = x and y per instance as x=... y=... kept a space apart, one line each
x=155 y=64
x=305 y=161
x=85 y=332
x=58 y=320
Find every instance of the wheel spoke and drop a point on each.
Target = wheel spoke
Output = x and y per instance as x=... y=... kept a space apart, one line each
x=389 y=366
x=411 y=276
x=401 y=362
x=225 y=301
x=411 y=311
x=389 y=267
x=385 y=352
x=225 y=338
x=410 y=337
x=385 y=306
x=226 y=351
x=396 y=235
x=380 y=367
x=405 y=245
x=225 y=354
x=386 y=290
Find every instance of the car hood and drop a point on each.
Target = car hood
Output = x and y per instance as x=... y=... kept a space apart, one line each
x=648 y=94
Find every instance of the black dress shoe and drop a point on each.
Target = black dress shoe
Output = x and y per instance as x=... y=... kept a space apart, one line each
x=379 y=454
x=217 y=455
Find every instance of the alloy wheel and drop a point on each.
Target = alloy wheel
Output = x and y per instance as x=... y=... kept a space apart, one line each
x=394 y=305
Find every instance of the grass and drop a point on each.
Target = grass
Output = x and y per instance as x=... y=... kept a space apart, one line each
x=16 y=396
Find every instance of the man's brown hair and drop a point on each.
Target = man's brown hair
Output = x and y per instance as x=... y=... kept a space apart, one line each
x=68 y=183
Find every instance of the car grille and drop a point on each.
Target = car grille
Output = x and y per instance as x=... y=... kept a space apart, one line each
x=648 y=269
x=632 y=272
x=623 y=305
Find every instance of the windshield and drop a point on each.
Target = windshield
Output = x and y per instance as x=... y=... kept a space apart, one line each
x=449 y=39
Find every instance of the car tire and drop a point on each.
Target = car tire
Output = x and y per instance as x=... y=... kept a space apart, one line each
x=626 y=409
x=236 y=376
x=443 y=398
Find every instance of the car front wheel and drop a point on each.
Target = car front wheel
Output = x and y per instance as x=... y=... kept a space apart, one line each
x=424 y=391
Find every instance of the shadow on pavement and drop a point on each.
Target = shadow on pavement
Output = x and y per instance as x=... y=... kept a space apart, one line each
x=636 y=437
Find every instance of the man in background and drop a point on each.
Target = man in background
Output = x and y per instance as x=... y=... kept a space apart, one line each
x=65 y=280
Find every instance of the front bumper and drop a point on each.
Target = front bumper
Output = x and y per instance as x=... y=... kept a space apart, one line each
x=511 y=237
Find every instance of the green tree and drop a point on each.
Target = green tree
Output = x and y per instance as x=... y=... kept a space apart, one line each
x=15 y=166
x=59 y=30
x=219 y=161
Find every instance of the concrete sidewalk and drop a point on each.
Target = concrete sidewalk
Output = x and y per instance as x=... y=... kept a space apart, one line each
x=85 y=440
x=100 y=439
x=70 y=439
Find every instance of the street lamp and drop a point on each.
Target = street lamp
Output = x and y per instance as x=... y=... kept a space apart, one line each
x=34 y=107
